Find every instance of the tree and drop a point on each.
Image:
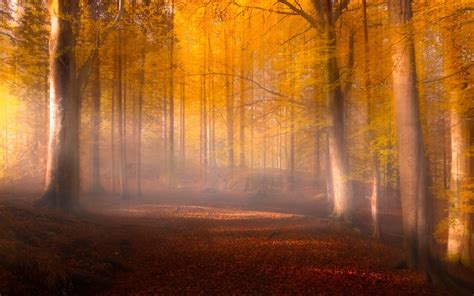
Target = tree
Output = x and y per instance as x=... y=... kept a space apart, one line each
x=456 y=84
x=328 y=13
x=62 y=172
x=96 y=186
x=411 y=155
x=374 y=162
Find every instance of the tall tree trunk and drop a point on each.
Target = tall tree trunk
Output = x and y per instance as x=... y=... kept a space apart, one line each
x=459 y=234
x=341 y=186
x=112 y=123
x=242 y=98
x=139 y=123
x=252 y=117
x=374 y=163
x=96 y=121
x=171 y=99
x=62 y=172
x=164 y=128
x=413 y=178
x=229 y=107
x=242 y=114
x=121 y=102
x=292 y=133
x=182 y=125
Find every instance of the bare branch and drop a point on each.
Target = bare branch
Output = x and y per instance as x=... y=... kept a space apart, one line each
x=84 y=70
x=265 y=9
x=296 y=35
x=308 y=17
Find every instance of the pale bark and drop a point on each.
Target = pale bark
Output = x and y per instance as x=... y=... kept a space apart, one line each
x=171 y=90
x=341 y=186
x=242 y=113
x=182 y=126
x=413 y=178
x=459 y=233
x=374 y=162
x=62 y=172
x=96 y=120
x=229 y=108
x=112 y=123
x=139 y=123
x=121 y=102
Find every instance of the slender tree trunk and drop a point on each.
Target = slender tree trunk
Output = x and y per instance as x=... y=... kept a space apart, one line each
x=182 y=125
x=96 y=120
x=121 y=102
x=139 y=123
x=252 y=118
x=229 y=109
x=171 y=99
x=112 y=123
x=242 y=116
x=204 y=152
x=242 y=99
x=374 y=163
x=413 y=179
x=62 y=172
x=164 y=122
x=292 y=140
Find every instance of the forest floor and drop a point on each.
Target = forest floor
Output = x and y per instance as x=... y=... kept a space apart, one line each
x=172 y=245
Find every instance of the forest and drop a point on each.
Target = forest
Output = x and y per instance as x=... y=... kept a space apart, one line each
x=236 y=147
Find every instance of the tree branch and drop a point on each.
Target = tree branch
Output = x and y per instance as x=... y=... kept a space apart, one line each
x=264 y=9
x=309 y=18
x=85 y=69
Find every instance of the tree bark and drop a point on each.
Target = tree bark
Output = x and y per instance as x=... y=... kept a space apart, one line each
x=139 y=123
x=62 y=172
x=229 y=108
x=341 y=186
x=171 y=99
x=121 y=102
x=374 y=162
x=242 y=112
x=96 y=120
x=459 y=233
x=413 y=178
x=182 y=125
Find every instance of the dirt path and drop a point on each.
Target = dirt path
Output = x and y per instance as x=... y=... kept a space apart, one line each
x=156 y=249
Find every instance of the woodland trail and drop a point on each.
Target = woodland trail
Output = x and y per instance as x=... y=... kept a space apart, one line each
x=168 y=249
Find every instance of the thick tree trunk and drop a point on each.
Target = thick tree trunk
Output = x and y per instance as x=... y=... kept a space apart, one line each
x=413 y=178
x=341 y=186
x=62 y=172
x=459 y=234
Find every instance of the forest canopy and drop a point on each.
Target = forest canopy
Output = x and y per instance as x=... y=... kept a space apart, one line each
x=368 y=104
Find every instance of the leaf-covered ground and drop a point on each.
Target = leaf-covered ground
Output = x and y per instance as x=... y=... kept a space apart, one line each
x=168 y=249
